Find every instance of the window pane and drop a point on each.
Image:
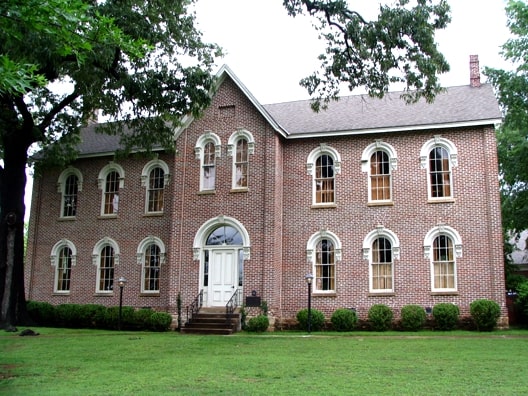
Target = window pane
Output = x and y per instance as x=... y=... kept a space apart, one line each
x=208 y=167
x=156 y=189
x=224 y=235
x=241 y=163
x=324 y=179
x=151 y=268
x=382 y=264
x=440 y=173
x=64 y=269
x=380 y=183
x=443 y=263
x=325 y=266
x=106 y=269
x=111 y=194
x=70 y=196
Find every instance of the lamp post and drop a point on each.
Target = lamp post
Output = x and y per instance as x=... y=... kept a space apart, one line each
x=121 y=282
x=309 y=278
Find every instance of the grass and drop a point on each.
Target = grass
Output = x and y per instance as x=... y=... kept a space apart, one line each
x=90 y=362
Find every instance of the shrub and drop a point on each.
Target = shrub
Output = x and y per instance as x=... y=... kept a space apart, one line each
x=317 y=319
x=380 y=317
x=485 y=314
x=42 y=313
x=258 y=323
x=111 y=318
x=344 y=319
x=522 y=298
x=445 y=316
x=91 y=314
x=159 y=321
x=69 y=315
x=412 y=317
x=142 y=318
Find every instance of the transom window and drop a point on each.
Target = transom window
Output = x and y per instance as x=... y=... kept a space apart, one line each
x=224 y=235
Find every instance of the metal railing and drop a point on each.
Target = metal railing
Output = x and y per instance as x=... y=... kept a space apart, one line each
x=195 y=306
x=231 y=306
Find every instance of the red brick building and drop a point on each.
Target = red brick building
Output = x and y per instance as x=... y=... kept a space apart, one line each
x=381 y=201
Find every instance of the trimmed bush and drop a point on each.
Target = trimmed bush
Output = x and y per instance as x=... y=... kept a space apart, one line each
x=380 y=317
x=317 y=319
x=258 y=324
x=69 y=315
x=111 y=318
x=412 y=317
x=485 y=314
x=160 y=321
x=42 y=313
x=142 y=318
x=344 y=319
x=445 y=316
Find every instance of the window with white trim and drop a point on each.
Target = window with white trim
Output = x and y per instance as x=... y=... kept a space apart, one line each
x=207 y=150
x=323 y=252
x=442 y=246
x=323 y=164
x=379 y=160
x=439 y=156
x=381 y=247
x=151 y=256
x=63 y=257
x=105 y=256
x=155 y=177
x=240 y=146
x=69 y=185
x=111 y=180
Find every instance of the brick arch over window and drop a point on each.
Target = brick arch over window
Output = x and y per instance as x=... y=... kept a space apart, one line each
x=69 y=184
x=323 y=163
x=210 y=225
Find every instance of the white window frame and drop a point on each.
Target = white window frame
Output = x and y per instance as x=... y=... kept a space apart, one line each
x=54 y=258
x=61 y=187
x=140 y=255
x=145 y=180
x=231 y=152
x=199 y=154
x=435 y=232
x=101 y=183
x=96 y=260
x=379 y=145
x=452 y=153
x=311 y=250
x=323 y=149
x=380 y=232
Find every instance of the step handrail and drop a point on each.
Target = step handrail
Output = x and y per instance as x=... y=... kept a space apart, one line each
x=194 y=308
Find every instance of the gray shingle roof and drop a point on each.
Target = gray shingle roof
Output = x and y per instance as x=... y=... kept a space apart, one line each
x=463 y=105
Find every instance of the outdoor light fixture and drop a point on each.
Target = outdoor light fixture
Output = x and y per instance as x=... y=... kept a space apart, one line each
x=309 y=278
x=121 y=282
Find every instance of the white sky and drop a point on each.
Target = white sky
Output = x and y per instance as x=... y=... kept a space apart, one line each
x=271 y=52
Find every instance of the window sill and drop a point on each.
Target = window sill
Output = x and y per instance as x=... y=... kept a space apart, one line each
x=103 y=294
x=445 y=293
x=381 y=294
x=207 y=192
x=154 y=294
x=322 y=294
x=381 y=203
x=107 y=216
x=153 y=214
x=324 y=206
x=440 y=200
x=69 y=218
x=57 y=293
x=239 y=190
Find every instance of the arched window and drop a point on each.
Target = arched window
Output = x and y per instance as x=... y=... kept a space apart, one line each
x=324 y=251
x=105 y=257
x=379 y=160
x=151 y=256
x=207 y=150
x=381 y=247
x=63 y=257
x=111 y=180
x=439 y=156
x=443 y=246
x=69 y=185
x=323 y=164
x=240 y=145
x=155 y=177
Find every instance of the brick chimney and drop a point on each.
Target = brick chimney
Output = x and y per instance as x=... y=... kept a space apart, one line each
x=474 y=71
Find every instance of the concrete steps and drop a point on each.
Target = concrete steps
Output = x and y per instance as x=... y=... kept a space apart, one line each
x=213 y=321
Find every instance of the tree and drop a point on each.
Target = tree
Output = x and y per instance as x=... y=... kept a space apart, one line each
x=511 y=87
x=125 y=57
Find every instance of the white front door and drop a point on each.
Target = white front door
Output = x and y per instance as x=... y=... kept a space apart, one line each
x=222 y=276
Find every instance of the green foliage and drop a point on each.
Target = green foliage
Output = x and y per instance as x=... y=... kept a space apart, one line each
x=412 y=317
x=317 y=319
x=380 y=317
x=42 y=313
x=69 y=315
x=111 y=318
x=258 y=324
x=446 y=316
x=159 y=321
x=485 y=314
x=522 y=297
x=142 y=317
x=344 y=319
x=264 y=307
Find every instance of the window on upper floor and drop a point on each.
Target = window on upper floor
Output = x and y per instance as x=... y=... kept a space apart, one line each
x=442 y=246
x=151 y=256
x=154 y=178
x=110 y=181
x=69 y=185
x=105 y=256
x=379 y=160
x=439 y=157
x=323 y=164
x=207 y=150
x=63 y=257
x=380 y=247
x=323 y=252
x=240 y=146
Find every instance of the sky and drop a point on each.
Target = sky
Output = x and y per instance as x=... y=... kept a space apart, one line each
x=270 y=52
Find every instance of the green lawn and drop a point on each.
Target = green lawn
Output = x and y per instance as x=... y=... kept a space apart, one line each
x=83 y=362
